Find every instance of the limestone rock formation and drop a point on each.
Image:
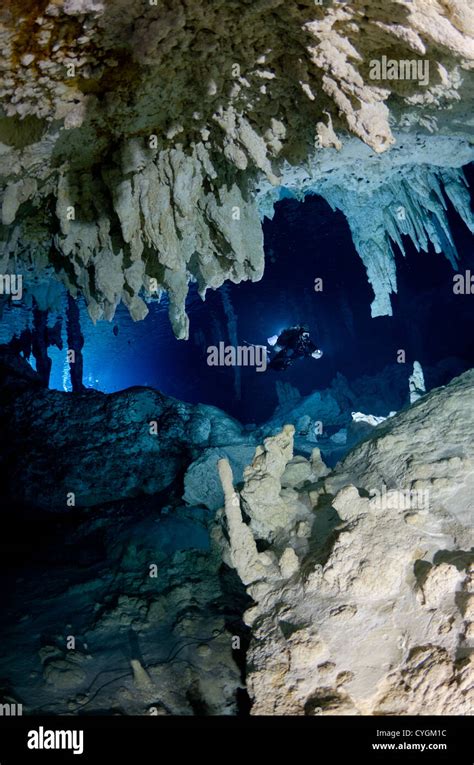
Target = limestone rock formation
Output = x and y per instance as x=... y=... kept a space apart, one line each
x=134 y=619
x=201 y=482
x=99 y=447
x=416 y=383
x=137 y=141
x=333 y=419
x=366 y=607
x=402 y=193
x=370 y=419
x=243 y=554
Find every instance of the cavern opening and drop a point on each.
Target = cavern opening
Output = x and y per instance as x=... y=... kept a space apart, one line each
x=313 y=276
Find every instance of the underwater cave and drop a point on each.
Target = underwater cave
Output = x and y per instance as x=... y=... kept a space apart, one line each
x=236 y=361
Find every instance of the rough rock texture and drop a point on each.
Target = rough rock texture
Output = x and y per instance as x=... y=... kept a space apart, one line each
x=416 y=383
x=402 y=193
x=363 y=603
x=95 y=629
x=119 y=603
x=134 y=137
x=326 y=418
x=201 y=482
x=99 y=447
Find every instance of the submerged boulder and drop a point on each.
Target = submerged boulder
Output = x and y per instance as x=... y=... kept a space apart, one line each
x=95 y=447
x=201 y=482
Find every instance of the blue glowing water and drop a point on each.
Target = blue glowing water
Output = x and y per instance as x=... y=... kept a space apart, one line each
x=304 y=241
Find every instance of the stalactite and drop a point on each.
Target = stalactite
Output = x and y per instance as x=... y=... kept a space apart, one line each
x=22 y=343
x=75 y=341
x=180 y=167
x=383 y=207
x=40 y=344
x=233 y=337
x=54 y=334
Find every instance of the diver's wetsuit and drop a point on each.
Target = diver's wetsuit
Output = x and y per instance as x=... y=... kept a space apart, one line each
x=293 y=343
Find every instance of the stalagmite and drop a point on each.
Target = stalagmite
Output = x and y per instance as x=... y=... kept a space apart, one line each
x=375 y=621
x=140 y=675
x=250 y=564
x=416 y=383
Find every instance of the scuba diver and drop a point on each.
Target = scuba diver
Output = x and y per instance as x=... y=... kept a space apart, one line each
x=291 y=344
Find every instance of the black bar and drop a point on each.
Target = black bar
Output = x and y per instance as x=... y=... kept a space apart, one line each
x=141 y=739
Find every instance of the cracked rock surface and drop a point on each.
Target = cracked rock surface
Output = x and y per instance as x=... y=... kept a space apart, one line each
x=363 y=600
